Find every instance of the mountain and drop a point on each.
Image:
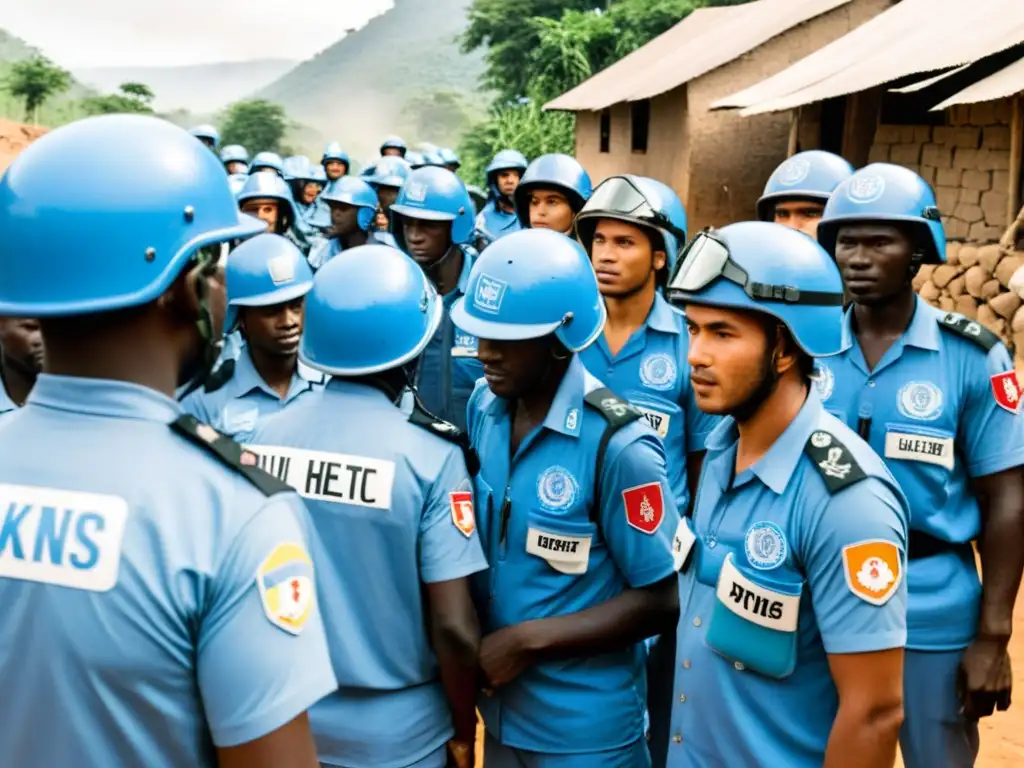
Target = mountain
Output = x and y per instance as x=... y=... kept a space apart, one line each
x=355 y=90
x=201 y=88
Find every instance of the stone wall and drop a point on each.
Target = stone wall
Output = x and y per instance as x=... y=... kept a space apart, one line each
x=967 y=162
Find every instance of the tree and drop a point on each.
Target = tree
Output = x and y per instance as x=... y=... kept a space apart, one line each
x=440 y=116
x=134 y=98
x=257 y=124
x=35 y=80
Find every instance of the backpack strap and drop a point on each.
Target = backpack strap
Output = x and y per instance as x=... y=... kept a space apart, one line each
x=224 y=373
x=229 y=453
x=617 y=413
x=424 y=419
x=833 y=461
x=969 y=329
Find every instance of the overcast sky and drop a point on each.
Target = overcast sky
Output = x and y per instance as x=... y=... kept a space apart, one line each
x=101 y=33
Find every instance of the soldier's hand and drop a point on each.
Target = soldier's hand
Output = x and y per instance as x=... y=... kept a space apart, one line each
x=985 y=680
x=460 y=755
x=504 y=655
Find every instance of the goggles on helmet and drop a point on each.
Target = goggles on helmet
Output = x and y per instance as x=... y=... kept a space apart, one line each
x=619 y=196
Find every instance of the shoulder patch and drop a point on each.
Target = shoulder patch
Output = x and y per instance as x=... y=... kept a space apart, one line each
x=616 y=411
x=220 y=377
x=969 y=329
x=424 y=419
x=833 y=461
x=229 y=453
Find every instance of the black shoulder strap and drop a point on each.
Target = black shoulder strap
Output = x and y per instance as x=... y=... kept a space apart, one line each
x=221 y=376
x=618 y=413
x=229 y=453
x=833 y=461
x=969 y=329
x=423 y=418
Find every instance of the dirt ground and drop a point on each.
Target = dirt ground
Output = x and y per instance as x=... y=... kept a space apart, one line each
x=14 y=137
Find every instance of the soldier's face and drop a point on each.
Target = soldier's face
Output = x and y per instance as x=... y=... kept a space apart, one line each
x=310 y=191
x=344 y=218
x=622 y=257
x=335 y=169
x=801 y=215
x=276 y=329
x=874 y=260
x=22 y=344
x=426 y=241
x=550 y=210
x=263 y=209
x=515 y=368
x=727 y=357
x=391 y=152
x=237 y=166
x=387 y=196
x=508 y=180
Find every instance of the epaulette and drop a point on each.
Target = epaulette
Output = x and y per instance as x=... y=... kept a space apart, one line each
x=424 y=419
x=618 y=413
x=220 y=377
x=229 y=453
x=833 y=461
x=969 y=329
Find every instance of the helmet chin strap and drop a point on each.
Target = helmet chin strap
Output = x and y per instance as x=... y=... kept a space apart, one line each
x=211 y=348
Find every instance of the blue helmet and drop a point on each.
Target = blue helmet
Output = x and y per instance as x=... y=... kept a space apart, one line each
x=237 y=182
x=394 y=142
x=352 y=191
x=559 y=172
x=269 y=186
x=884 y=192
x=333 y=151
x=811 y=175
x=763 y=267
x=434 y=194
x=267 y=160
x=449 y=157
x=433 y=157
x=206 y=131
x=136 y=195
x=390 y=172
x=295 y=166
x=415 y=159
x=234 y=153
x=637 y=200
x=264 y=271
x=529 y=284
x=505 y=160
x=358 y=324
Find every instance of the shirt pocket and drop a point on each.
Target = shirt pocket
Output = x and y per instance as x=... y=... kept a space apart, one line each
x=755 y=619
x=239 y=419
x=564 y=544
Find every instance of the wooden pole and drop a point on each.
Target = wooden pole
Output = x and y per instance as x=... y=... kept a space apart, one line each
x=1016 y=146
x=794 y=131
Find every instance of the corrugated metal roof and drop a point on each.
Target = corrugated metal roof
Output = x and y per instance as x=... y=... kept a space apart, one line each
x=914 y=36
x=1006 y=82
x=703 y=41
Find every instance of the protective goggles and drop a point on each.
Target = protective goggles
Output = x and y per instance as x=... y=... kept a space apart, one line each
x=707 y=259
x=620 y=197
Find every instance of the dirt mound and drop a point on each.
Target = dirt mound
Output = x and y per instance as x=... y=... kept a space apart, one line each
x=14 y=137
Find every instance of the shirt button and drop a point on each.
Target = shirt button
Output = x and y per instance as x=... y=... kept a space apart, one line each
x=686 y=663
x=682 y=699
x=738 y=666
x=678 y=739
x=696 y=621
x=871 y=382
x=712 y=543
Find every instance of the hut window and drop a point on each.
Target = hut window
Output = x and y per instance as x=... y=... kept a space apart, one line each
x=606 y=130
x=641 y=119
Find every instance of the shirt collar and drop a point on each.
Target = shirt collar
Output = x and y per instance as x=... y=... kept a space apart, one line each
x=102 y=397
x=468 y=257
x=663 y=317
x=777 y=466
x=923 y=331
x=6 y=404
x=246 y=378
x=565 y=415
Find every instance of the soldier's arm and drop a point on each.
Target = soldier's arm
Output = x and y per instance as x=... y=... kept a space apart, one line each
x=870 y=687
x=290 y=746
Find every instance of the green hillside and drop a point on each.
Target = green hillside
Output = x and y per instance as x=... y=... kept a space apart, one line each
x=356 y=89
x=59 y=110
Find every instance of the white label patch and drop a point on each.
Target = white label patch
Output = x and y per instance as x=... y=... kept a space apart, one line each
x=333 y=477
x=490 y=292
x=682 y=544
x=566 y=554
x=931 y=450
x=282 y=269
x=68 y=538
x=659 y=421
x=755 y=603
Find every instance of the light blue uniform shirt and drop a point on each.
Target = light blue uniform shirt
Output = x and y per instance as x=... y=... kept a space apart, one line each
x=237 y=407
x=935 y=420
x=324 y=251
x=558 y=556
x=6 y=404
x=492 y=223
x=448 y=368
x=781 y=574
x=392 y=504
x=383 y=237
x=652 y=372
x=154 y=599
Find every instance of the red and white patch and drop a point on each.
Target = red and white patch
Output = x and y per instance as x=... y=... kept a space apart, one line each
x=1007 y=392
x=645 y=507
x=462 y=511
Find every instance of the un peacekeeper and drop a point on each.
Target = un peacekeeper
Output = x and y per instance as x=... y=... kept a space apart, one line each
x=392 y=501
x=790 y=646
x=432 y=221
x=208 y=135
x=551 y=193
x=21 y=360
x=798 y=189
x=235 y=158
x=498 y=217
x=267 y=281
x=158 y=591
x=393 y=146
x=388 y=177
x=576 y=517
x=935 y=394
x=335 y=161
x=352 y=206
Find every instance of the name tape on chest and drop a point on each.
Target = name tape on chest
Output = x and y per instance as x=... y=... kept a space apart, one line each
x=566 y=554
x=911 y=447
x=658 y=420
x=333 y=477
x=755 y=603
x=68 y=538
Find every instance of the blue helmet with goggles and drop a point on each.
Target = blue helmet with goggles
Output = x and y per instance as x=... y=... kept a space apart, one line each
x=811 y=175
x=768 y=268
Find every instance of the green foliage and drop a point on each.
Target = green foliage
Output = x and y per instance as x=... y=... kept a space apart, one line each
x=441 y=117
x=133 y=98
x=35 y=80
x=257 y=124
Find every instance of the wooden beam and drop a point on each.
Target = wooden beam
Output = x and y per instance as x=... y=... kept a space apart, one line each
x=794 y=131
x=1016 y=146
